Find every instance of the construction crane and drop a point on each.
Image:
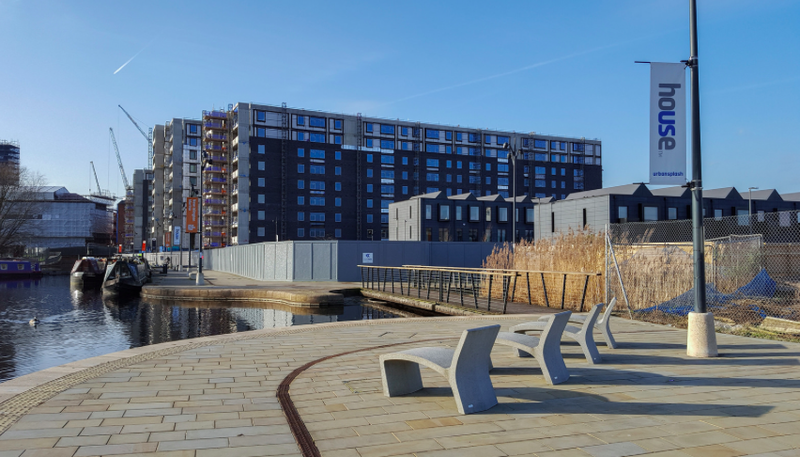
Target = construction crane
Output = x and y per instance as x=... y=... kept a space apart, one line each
x=119 y=161
x=147 y=136
x=97 y=181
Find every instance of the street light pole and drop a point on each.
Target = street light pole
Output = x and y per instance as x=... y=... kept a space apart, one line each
x=513 y=152
x=750 y=207
x=200 y=280
x=701 y=338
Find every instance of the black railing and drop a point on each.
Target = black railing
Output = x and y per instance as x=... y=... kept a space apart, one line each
x=469 y=289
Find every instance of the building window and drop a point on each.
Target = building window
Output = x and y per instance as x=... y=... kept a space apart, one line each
x=718 y=215
x=193 y=168
x=650 y=213
x=301 y=184
x=405 y=190
x=369 y=218
x=369 y=158
x=192 y=155
x=337 y=155
x=428 y=234
x=387 y=159
x=262 y=165
x=262 y=215
x=316 y=121
x=317 y=154
x=301 y=168
x=317 y=169
x=317 y=201
x=316 y=217
x=433 y=177
x=261 y=231
x=369 y=127
x=193 y=181
x=474 y=213
x=337 y=186
x=301 y=216
x=262 y=198
x=337 y=124
x=404 y=131
x=316 y=185
x=502 y=214
x=337 y=217
x=301 y=120
x=301 y=233
x=444 y=212
x=529 y=215
x=337 y=233
x=261 y=149
x=337 y=201
x=428 y=212
x=369 y=203
x=672 y=213
x=369 y=188
x=301 y=152
x=301 y=200
x=369 y=142
x=622 y=213
x=387 y=129
x=262 y=182
x=337 y=171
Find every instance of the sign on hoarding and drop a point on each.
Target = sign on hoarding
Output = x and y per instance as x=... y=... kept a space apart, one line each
x=366 y=257
x=176 y=235
x=192 y=214
x=667 y=123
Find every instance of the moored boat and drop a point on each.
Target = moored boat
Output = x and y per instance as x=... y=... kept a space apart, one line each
x=19 y=268
x=87 y=273
x=125 y=276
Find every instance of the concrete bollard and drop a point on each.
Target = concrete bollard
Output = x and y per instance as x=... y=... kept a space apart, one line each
x=701 y=339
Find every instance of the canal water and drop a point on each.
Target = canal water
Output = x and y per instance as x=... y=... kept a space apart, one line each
x=76 y=324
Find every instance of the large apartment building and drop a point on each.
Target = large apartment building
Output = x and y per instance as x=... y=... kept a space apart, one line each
x=176 y=173
x=295 y=174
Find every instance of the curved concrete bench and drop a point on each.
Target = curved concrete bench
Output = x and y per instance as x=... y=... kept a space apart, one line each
x=466 y=369
x=546 y=349
x=583 y=335
x=603 y=323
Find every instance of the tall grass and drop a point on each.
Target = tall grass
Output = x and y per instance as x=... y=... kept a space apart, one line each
x=573 y=252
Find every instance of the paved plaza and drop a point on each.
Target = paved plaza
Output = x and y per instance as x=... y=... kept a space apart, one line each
x=216 y=396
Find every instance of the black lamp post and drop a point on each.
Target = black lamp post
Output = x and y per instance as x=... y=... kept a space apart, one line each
x=206 y=162
x=513 y=153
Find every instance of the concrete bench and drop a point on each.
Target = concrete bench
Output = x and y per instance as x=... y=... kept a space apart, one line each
x=546 y=349
x=466 y=369
x=603 y=323
x=583 y=335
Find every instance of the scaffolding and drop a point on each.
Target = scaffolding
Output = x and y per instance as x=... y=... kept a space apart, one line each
x=215 y=179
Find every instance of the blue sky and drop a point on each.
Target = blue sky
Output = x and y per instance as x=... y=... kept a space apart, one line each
x=552 y=67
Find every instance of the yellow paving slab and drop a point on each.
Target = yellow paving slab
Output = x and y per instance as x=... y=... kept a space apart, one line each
x=216 y=396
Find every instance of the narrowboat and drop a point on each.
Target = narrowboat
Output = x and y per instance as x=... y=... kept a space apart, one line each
x=87 y=273
x=19 y=268
x=125 y=276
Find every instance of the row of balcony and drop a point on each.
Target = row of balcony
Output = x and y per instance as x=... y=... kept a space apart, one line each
x=218 y=114
x=215 y=147
x=214 y=125
x=216 y=136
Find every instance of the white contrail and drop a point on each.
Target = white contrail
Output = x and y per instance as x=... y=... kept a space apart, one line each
x=511 y=72
x=134 y=56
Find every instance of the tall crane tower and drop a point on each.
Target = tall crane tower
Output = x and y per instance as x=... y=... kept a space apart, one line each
x=97 y=181
x=119 y=161
x=147 y=136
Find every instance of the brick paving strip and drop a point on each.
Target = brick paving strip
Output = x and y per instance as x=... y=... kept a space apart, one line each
x=216 y=396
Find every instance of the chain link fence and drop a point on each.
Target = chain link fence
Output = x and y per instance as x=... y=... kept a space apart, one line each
x=752 y=270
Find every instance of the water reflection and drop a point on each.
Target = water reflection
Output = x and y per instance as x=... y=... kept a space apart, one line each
x=76 y=324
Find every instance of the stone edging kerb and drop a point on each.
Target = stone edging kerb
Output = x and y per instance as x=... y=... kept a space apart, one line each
x=292 y=298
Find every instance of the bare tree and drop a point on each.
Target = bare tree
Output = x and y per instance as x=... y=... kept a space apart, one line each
x=19 y=188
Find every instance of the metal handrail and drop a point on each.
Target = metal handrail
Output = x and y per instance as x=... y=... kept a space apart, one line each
x=445 y=281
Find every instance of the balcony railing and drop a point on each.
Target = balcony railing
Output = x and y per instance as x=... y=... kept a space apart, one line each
x=216 y=136
x=213 y=125
x=215 y=114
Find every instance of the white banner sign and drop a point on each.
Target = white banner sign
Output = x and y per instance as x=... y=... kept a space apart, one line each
x=667 y=123
x=176 y=235
x=366 y=257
